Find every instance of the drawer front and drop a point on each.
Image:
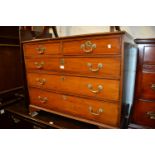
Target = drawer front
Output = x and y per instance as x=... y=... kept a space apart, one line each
x=41 y=49
x=92 y=46
x=98 y=88
x=144 y=113
x=148 y=86
x=43 y=64
x=149 y=54
x=102 y=112
x=97 y=67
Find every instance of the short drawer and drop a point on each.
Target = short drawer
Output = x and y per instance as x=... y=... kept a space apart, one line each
x=97 y=67
x=149 y=54
x=43 y=64
x=39 y=49
x=98 y=111
x=92 y=46
x=98 y=88
x=144 y=113
x=148 y=86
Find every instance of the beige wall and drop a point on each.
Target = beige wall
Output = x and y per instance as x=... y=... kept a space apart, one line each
x=135 y=31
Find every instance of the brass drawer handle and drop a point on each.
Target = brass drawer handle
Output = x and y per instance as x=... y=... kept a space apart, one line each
x=151 y=114
x=152 y=117
x=100 y=66
x=41 y=81
x=88 y=47
x=153 y=87
x=42 y=99
x=40 y=50
x=100 y=110
x=90 y=87
x=39 y=65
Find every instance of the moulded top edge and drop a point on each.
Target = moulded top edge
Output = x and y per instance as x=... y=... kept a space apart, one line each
x=144 y=40
x=80 y=36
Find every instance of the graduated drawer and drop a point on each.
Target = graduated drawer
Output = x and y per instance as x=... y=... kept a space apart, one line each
x=92 y=46
x=148 y=86
x=99 y=88
x=102 y=112
x=97 y=67
x=43 y=64
x=144 y=113
x=37 y=49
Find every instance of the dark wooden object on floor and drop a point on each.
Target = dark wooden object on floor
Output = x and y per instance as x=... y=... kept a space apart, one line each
x=43 y=120
x=143 y=109
x=11 y=70
x=10 y=59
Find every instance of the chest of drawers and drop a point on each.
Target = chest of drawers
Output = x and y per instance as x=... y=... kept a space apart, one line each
x=79 y=77
x=143 y=109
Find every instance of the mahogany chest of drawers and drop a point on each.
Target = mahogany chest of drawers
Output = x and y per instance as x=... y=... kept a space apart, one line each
x=143 y=109
x=79 y=77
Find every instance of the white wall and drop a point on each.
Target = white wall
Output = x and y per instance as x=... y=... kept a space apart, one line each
x=135 y=31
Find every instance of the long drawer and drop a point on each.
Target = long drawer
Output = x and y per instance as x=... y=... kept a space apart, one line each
x=98 y=88
x=96 y=67
x=92 y=46
x=37 y=49
x=144 y=113
x=102 y=112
